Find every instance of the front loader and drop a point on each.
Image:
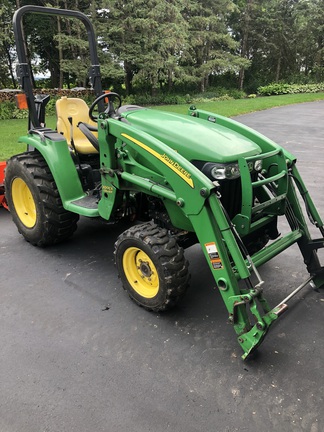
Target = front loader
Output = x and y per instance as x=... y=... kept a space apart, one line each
x=177 y=180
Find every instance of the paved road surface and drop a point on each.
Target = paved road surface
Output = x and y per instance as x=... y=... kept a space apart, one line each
x=78 y=355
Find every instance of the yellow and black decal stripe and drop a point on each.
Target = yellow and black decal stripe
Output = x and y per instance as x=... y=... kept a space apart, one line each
x=174 y=166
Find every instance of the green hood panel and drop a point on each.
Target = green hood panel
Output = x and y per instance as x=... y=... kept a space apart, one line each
x=193 y=138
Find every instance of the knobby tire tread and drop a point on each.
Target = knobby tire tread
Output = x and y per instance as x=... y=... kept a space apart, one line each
x=59 y=224
x=170 y=255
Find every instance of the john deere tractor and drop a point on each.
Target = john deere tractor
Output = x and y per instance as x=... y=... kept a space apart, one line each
x=178 y=179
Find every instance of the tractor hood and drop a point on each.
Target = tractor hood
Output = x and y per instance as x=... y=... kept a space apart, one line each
x=193 y=138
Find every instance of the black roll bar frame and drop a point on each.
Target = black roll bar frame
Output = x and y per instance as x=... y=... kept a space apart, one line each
x=23 y=70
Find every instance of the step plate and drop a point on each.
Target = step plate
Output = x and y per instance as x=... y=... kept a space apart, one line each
x=88 y=202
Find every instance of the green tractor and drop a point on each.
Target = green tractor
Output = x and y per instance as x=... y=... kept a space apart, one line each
x=177 y=179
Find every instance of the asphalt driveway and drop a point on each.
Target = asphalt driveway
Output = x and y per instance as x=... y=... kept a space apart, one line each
x=78 y=355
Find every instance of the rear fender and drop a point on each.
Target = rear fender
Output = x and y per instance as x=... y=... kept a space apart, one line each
x=56 y=153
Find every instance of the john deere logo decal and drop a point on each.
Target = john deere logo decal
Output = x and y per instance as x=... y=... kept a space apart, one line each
x=174 y=166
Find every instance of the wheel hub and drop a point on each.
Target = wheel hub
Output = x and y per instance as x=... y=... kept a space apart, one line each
x=145 y=269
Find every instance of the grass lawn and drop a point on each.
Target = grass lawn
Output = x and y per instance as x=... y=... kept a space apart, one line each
x=235 y=107
x=11 y=129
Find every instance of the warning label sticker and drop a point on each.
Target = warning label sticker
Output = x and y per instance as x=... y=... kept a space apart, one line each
x=214 y=255
x=212 y=250
x=217 y=265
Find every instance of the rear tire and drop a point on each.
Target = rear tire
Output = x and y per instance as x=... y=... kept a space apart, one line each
x=152 y=266
x=34 y=201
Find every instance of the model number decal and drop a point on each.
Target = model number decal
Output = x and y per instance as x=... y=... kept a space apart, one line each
x=108 y=189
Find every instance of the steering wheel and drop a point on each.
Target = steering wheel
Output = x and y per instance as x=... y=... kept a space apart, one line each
x=110 y=110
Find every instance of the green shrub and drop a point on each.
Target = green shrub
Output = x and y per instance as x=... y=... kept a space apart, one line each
x=218 y=92
x=6 y=110
x=50 y=107
x=236 y=94
x=160 y=99
x=20 y=113
x=215 y=94
x=284 y=88
x=196 y=100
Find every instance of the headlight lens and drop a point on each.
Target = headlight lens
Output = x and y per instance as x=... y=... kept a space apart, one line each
x=258 y=165
x=226 y=171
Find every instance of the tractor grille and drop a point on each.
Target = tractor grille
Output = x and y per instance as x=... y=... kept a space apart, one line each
x=231 y=196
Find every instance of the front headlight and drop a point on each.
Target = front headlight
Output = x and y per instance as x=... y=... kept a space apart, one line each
x=228 y=171
x=216 y=171
x=258 y=165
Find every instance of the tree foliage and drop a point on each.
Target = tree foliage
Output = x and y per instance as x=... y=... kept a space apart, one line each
x=7 y=55
x=283 y=39
x=159 y=45
x=212 y=50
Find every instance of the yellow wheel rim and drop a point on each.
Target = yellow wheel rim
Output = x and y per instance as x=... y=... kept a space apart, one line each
x=24 y=202
x=140 y=272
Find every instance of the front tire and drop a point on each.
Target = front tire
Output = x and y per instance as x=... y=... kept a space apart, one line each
x=34 y=201
x=152 y=266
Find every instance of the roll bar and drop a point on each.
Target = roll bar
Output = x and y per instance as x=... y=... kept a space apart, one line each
x=23 y=72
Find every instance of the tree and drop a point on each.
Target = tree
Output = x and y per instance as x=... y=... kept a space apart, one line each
x=156 y=44
x=310 y=25
x=212 y=49
x=56 y=45
x=7 y=55
x=283 y=39
x=242 y=24
x=73 y=44
x=279 y=38
x=146 y=38
x=166 y=39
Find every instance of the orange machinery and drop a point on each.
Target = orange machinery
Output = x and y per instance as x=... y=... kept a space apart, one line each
x=2 y=196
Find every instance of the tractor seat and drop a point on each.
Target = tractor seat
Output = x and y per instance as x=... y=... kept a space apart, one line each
x=79 y=111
